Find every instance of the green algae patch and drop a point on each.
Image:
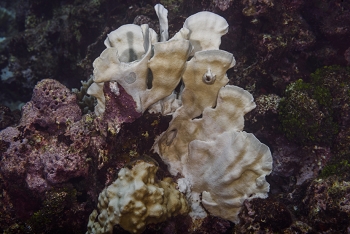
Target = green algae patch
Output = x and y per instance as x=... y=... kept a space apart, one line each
x=311 y=112
x=340 y=168
x=306 y=114
x=53 y=214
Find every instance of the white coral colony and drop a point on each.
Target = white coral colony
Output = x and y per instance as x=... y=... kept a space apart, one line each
x=220 y=165
x=206 y=29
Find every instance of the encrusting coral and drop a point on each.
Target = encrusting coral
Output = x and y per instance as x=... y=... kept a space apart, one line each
x=136 y=199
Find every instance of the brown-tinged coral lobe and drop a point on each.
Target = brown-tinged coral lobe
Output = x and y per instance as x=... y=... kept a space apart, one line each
x=136 y=199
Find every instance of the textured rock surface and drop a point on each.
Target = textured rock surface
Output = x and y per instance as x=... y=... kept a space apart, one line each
x=36 y=157
x=44 y=156
x=52 y=107
x=8 y=117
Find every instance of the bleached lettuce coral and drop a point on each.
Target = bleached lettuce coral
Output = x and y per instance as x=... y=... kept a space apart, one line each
x=132 y=51
x=218 y=161
x=220 y=165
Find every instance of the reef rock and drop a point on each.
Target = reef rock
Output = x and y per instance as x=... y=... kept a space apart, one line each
x=41 y=150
